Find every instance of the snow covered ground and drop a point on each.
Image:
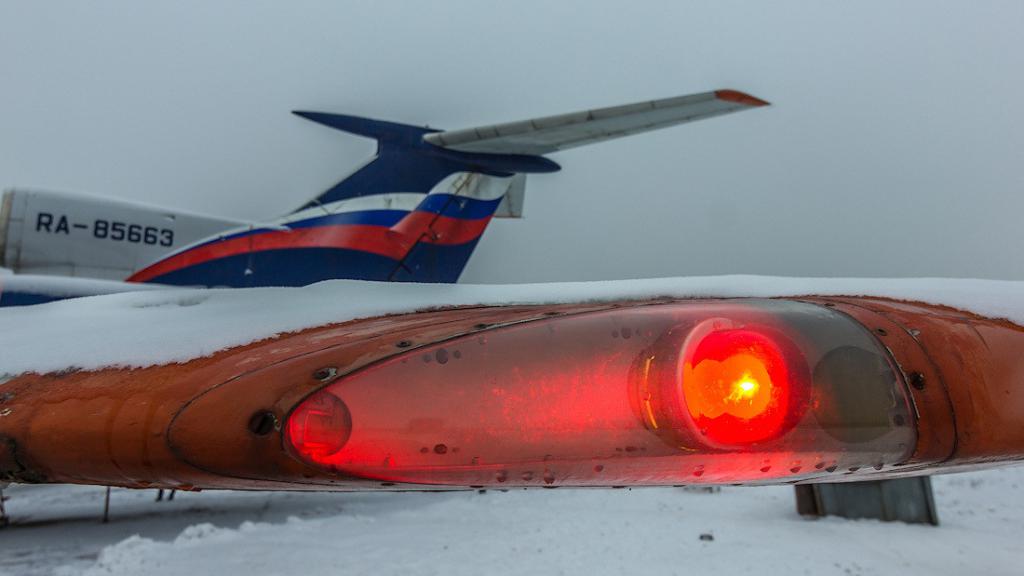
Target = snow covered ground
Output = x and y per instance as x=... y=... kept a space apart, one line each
x=56 y=530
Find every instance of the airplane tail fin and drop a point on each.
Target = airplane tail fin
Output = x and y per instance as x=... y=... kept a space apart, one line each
x=472 y=175
x=407 y=163
x=417 y=210
x=415 y=159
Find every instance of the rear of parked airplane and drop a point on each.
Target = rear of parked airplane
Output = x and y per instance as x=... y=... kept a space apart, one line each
x=414 y=213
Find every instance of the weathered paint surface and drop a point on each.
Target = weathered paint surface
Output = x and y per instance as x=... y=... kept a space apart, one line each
x=191 y=425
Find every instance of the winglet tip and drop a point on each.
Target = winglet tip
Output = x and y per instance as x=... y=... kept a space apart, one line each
x=740 y=98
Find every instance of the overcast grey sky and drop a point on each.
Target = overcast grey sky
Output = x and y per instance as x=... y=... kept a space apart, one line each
x=895 y=145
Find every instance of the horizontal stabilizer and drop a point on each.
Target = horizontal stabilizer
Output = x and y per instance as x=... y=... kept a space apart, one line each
x=553 y=133
x=379 y=130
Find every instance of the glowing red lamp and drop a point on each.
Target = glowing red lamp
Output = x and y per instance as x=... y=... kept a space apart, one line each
x=741 y=385
x=320 y=427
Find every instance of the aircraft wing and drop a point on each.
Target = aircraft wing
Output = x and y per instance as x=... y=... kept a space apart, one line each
x=626 y=383
x=540 y=136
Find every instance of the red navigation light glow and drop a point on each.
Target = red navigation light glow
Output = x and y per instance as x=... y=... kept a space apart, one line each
x=736 y=386
x=319 y=427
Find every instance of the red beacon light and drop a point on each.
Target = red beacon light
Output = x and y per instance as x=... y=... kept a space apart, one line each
x=735 y=387
x=741 y=385
x=740 y=391
x=320 y=427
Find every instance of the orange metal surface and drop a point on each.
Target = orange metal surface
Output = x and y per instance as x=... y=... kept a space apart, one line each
x=215 y=422
x=129 y=428
x=966 y=377
x=936 y=438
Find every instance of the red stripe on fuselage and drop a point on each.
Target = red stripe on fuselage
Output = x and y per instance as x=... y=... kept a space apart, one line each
x=392 y=242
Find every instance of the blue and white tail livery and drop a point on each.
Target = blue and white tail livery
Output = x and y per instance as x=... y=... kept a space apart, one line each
x=414 y=213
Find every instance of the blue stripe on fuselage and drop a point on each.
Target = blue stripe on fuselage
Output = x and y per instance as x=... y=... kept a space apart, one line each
x=365 y=217
x=302 y=266
x=12 y=298
x=282 y=267
x=443 y=204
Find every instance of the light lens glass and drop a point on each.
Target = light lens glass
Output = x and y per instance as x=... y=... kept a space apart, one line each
x=733 y=391
x=320 y=427
x=737 y=384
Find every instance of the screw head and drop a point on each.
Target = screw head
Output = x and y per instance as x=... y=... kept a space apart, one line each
x=917 y=380
x=325 y=374
x=262 y=423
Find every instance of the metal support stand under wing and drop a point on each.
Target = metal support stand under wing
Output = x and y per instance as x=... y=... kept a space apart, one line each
x=898 y=500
